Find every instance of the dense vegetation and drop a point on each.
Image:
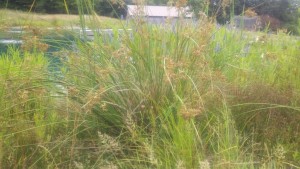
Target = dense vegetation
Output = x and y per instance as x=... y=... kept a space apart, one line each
x=102 y=7
x=285 y=11
x=275 y=14
x=157 y=97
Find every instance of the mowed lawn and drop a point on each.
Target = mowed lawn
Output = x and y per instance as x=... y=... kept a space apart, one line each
x=11 y=18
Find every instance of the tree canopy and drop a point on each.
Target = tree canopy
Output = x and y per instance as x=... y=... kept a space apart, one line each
x=102 y=7
x=285 y=11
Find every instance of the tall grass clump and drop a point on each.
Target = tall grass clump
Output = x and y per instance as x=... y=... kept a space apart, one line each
x=151 y=92
x=127 y=88
x=179 y=97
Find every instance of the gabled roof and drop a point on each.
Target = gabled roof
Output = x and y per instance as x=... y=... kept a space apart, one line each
x=157 y=11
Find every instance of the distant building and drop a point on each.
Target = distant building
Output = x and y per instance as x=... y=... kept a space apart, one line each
x=248 y=23
x=158 y=14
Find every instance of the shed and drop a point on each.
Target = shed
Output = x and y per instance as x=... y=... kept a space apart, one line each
x=158 y=14
x=248 y=23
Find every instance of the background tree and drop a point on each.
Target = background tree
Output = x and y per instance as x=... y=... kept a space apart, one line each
x=157 y=2
x=17 y=4
x=51 y=6
x=115 y=9
x=285 y=11
x=102 y=7
x=198 y=6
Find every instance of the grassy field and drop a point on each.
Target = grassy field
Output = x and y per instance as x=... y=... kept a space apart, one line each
x=198 y=97
x=10 y=18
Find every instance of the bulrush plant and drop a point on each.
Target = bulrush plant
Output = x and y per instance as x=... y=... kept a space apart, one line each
x=152 y=92
x=149 y=91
